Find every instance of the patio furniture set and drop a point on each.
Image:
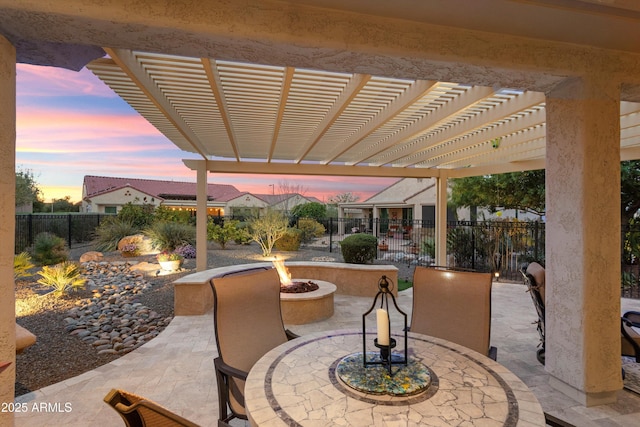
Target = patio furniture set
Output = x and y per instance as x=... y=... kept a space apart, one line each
x=272 y=377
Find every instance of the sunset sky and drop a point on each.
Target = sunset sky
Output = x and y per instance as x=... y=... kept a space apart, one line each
x=70 y=124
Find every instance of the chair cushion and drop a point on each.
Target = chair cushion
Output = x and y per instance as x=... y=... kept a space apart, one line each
x=248 y=323
x=537 y=272
x=453 y=305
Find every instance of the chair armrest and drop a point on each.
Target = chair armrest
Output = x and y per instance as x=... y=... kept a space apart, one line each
x=229 y=370
x=632 y=318
x=629 y=339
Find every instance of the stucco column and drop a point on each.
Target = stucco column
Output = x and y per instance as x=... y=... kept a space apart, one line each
x=7 y=222
x=201 y=216
x=441 y=220
x=583 y=239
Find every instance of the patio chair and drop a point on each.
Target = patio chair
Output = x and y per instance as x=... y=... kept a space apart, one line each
x=136 y=411
x=534 y=279
x=453 y=305
x=631 y=334
x=248 y=323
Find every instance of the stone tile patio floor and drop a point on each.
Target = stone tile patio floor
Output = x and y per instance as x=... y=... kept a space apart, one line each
x=176 y=369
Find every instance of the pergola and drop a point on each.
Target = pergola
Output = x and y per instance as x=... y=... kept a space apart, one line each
x=403 y=89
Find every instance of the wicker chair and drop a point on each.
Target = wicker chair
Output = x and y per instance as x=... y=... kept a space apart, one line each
x=630 y=336
x=534 y=279
x=453 y=305
x=248 y=323
x=136 y=411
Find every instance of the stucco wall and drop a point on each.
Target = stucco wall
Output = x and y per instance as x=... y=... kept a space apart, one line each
x=7 y=222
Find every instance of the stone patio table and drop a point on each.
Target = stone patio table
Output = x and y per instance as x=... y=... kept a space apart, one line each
x=296 y=384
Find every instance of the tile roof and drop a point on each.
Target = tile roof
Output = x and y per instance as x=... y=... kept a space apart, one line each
x=96 y=185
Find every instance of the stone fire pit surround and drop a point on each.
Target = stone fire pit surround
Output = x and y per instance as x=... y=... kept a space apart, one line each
x=193 y=295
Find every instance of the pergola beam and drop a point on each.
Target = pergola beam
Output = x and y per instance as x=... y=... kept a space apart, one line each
x=126 y=60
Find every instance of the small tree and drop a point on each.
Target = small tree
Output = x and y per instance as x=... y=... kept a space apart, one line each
x=27 y=190
x=267 y=229
x=141 y=216
x=313 y=210
x=343 y=198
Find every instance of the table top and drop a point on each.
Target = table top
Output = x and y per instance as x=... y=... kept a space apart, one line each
x=296 y=384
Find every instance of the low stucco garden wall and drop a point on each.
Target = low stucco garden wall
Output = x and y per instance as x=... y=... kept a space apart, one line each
x=193 y=296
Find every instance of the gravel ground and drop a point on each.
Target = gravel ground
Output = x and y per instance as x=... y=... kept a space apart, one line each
x=58 y=355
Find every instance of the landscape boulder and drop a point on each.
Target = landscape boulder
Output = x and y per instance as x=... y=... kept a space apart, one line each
x=91 y=256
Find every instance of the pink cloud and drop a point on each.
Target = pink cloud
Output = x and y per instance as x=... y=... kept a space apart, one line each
x=41 y=130
x=61 y=141
x=33 y=80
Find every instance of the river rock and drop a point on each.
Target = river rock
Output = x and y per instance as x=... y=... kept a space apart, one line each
x=108 y=318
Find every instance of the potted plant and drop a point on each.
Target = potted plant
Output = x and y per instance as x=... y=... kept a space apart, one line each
x=383 y=246
x=170 y=261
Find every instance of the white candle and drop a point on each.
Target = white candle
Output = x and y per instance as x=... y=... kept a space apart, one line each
x=383 y=326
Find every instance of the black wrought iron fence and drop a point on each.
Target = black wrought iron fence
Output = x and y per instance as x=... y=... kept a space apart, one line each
x=630 y=282
x=495 y=246
x=75 y=228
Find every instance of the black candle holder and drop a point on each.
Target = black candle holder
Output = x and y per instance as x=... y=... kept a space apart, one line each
x=387 y=358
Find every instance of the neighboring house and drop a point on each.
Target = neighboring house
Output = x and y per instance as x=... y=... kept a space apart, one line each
x=245 y=205
x=409 y=199
x=108 y=194
x=286 y=202
x=413 y=199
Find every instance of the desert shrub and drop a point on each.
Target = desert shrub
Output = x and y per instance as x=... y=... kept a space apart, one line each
x=243 y=237
x=62 y=278
x=359 y=248
x=186 y=251
x=290 y=240
x=49 y=249
x=21 y=265
x=429 y=246
x=222 y=234
x=109 y=233
x=166 y=236
x=163 y=213
x=310 y=229
x=460 y=243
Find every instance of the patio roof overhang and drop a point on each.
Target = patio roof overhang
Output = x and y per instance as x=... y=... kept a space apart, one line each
x=252 y=118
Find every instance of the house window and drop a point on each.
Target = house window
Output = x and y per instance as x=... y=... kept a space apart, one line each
x=111 y=209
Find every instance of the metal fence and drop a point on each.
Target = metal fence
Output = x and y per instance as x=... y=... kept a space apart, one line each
x=75 y=228
x=631 y=261
x=495 y=246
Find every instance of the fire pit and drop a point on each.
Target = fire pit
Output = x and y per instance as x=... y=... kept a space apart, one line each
x=297 y=287
x=303 y=300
